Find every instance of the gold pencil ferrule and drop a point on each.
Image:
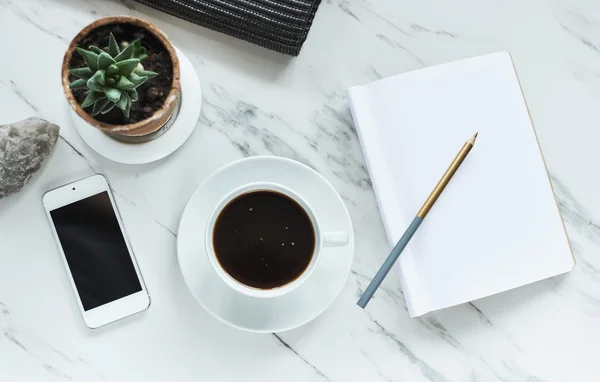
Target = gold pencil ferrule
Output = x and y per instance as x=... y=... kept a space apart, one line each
x=460 y=157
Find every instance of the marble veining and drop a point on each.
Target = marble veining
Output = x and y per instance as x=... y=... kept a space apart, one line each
x=42 y=359
x=287 y=346
x=257 y=102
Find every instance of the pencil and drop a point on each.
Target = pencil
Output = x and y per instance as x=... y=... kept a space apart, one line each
x=412 y=228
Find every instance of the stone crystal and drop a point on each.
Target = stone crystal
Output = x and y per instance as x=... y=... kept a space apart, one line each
x=24 y=146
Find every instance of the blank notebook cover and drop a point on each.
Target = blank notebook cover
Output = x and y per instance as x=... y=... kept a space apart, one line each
x=497 y=225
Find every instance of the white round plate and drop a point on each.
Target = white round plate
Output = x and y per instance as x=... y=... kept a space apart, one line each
x=268 y=315
x=166 y=144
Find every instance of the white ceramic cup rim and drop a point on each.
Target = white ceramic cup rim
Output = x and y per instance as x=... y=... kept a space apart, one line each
x=333 y=239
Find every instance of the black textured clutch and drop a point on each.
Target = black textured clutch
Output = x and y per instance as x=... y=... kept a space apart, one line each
x=279 y=25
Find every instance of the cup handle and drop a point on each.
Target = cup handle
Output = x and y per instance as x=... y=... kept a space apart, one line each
x=335 y=239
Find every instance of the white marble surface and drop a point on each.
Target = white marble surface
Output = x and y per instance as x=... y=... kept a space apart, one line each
x=258 y=102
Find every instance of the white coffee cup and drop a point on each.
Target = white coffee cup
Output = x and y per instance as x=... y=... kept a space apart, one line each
x=322 y=239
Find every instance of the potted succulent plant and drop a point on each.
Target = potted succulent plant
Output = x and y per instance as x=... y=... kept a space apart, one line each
x=121 y=75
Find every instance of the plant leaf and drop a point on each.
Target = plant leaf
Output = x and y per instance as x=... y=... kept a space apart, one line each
x=105 y=60
x=91 y=98
x=133 y=94
x=92 y=84
x=95 y=49
x=126 y=53
x=99 y=78
x=83 y=73
x=127 y=110
x=102 y=77
x=90 y=58
x=113 y=47
x=145 y=73
x=99 y=106
x=122 y=104
x=108 y=107
x=124 y=84
x=137 y=80
x=112 y=94
x=139 y=52
x=78 y=84
x=127 y=66
x=112 y=70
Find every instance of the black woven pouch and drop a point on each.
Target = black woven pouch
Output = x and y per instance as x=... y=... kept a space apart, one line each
x=279 y=25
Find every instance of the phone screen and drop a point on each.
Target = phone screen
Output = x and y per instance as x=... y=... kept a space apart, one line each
x=95 y=250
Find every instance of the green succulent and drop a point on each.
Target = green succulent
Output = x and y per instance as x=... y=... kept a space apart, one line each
x=111 y=76
x=138 y=50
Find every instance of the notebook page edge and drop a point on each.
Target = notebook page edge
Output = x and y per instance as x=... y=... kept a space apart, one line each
x=485 y=295
x=512 y=63
x=378 y=170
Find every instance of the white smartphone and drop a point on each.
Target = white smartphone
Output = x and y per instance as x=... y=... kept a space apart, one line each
x=98 y=257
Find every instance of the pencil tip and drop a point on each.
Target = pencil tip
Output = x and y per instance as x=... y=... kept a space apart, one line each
x=472 y=140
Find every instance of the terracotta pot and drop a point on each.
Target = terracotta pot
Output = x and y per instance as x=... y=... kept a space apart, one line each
x=148 y=125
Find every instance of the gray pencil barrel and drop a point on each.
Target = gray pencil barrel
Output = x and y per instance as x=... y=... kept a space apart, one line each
x=389 y=262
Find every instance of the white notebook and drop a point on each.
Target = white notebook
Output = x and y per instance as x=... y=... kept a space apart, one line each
x=497 y=225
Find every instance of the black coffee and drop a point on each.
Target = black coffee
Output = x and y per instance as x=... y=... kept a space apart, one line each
x=264 y=239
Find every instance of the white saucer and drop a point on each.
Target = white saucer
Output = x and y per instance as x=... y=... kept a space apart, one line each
x=276 y=314
x=166 y=144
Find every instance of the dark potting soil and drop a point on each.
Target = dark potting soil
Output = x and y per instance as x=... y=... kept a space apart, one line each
x=152 y=93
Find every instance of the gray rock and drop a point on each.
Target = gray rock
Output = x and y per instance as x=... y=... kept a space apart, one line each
x=24 y=146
